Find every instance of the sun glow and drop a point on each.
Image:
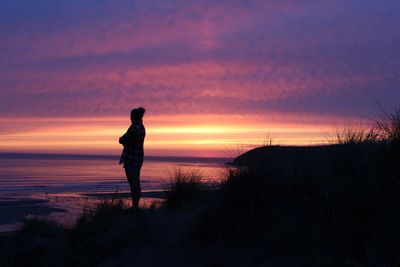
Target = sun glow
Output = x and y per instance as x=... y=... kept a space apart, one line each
x=198 y=135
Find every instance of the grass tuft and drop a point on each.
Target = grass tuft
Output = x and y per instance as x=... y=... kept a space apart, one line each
x=389 y=125
x=182 y=188
x=353 y=135
x=103 y=209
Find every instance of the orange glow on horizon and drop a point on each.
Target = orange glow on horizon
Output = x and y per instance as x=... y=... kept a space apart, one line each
x=196 y=135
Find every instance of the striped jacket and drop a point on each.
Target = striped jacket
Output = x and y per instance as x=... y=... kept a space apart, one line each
x=133 y=140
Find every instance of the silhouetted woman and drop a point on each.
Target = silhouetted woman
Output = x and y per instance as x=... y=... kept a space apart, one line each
x=132 y=154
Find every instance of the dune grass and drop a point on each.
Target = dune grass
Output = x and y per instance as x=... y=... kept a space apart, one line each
x=353 y=135
x=386 y=128
x=389 y=125
x=183 y=188
x=239 y=210
x=322 y=218
x=104 y=209
x=105 y=230
x=102 y=230
x=37 y=242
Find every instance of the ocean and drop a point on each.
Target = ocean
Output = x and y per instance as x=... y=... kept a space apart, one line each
x=33 y=184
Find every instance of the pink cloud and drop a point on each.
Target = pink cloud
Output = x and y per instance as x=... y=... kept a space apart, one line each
x=258 y=56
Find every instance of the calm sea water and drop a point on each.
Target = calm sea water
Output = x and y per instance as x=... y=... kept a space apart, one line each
x=59 y=186
x=28 y=173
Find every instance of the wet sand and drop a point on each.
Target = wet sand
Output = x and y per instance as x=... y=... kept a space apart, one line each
x=14 y=210
x=150 y=194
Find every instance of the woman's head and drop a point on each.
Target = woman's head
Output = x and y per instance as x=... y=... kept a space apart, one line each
x=137 y=114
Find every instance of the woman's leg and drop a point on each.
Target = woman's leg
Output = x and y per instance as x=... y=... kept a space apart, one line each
x=133 y=175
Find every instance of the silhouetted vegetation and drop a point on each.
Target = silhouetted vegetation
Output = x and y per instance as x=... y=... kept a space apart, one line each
x=322 y=214
x=239 y=210
x=354 y=135
x=101 y=232
x=38 y=242
x=105 y=231
x=389 y=125
x=183 y=188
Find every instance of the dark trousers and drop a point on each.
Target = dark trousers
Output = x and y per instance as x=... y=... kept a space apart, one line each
x=133 y=175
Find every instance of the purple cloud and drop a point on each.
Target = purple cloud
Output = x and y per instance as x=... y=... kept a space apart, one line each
x=75 y=58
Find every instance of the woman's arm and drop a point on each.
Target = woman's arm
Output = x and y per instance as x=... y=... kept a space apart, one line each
x=126 y=139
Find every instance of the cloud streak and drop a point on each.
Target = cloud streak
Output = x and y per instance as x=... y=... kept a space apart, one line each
x=303 y=59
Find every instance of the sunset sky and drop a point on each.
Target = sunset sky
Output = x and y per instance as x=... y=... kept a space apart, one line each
x=214 y=76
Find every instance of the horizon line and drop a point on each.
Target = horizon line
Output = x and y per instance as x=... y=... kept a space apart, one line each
x=103 y=156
